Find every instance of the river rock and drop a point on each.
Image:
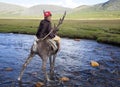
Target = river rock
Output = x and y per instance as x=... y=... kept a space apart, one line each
x=94 y=64
x=8 y=69
x=77 y=39
x=34 y=73
x=64 y=79
x=39 y=84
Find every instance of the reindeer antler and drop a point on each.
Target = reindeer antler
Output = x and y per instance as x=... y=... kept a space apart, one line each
x=60 y=21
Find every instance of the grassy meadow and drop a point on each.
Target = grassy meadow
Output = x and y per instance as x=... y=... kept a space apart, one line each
x=95 y=15
x=107 y=31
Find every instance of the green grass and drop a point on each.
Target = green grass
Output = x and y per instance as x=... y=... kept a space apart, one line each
x=76 y=15
x=107 y=31
x=94 y=15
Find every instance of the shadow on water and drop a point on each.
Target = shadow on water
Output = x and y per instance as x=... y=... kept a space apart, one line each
x=73 y=61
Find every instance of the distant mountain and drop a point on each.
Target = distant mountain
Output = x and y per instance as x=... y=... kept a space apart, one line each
x=16 y=10
x=82 y=7
x=107 y=9
x=38 y=9
x=10 y=9
x=111 y=5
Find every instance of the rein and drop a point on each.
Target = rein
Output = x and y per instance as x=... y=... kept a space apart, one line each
x=47 y=35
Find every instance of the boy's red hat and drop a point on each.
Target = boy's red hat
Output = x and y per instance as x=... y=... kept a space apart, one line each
x=47 y=14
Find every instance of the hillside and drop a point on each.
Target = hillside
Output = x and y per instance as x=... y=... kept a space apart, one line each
x=10 y=9
x=16 y=10
x=38 y=9
x=109 y=9
x=111 y=5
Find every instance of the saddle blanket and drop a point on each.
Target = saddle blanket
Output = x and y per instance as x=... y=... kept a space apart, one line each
x=51 y=42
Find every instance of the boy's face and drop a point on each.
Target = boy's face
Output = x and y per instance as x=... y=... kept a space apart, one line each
x=49 y=18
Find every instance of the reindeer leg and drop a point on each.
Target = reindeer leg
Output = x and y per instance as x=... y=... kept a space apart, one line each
x=44 y=62
x=51 y=69
x=52 y=65
x=25 y=65
x=50 y=59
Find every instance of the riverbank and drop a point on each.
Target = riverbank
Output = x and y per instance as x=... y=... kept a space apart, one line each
x=105 y=31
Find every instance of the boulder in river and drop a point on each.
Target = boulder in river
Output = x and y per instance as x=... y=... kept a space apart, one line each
x=34 y=73
x=94 y=64
x=8 y=69
x=39 y=84
x=77 y=39
x=64 y=79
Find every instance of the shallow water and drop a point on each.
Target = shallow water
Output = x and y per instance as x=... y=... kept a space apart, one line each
x=72 y=61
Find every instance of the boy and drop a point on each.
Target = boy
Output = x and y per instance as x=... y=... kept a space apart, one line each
x=45 y=28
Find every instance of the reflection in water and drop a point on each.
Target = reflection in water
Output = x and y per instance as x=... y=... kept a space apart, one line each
x=73 y=58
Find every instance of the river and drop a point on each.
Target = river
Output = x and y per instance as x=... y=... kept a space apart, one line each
x=73 y=61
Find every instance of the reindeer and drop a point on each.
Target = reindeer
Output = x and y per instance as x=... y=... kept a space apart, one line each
x=45 y=52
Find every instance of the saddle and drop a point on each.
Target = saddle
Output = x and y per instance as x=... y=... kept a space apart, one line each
x=53 y=44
